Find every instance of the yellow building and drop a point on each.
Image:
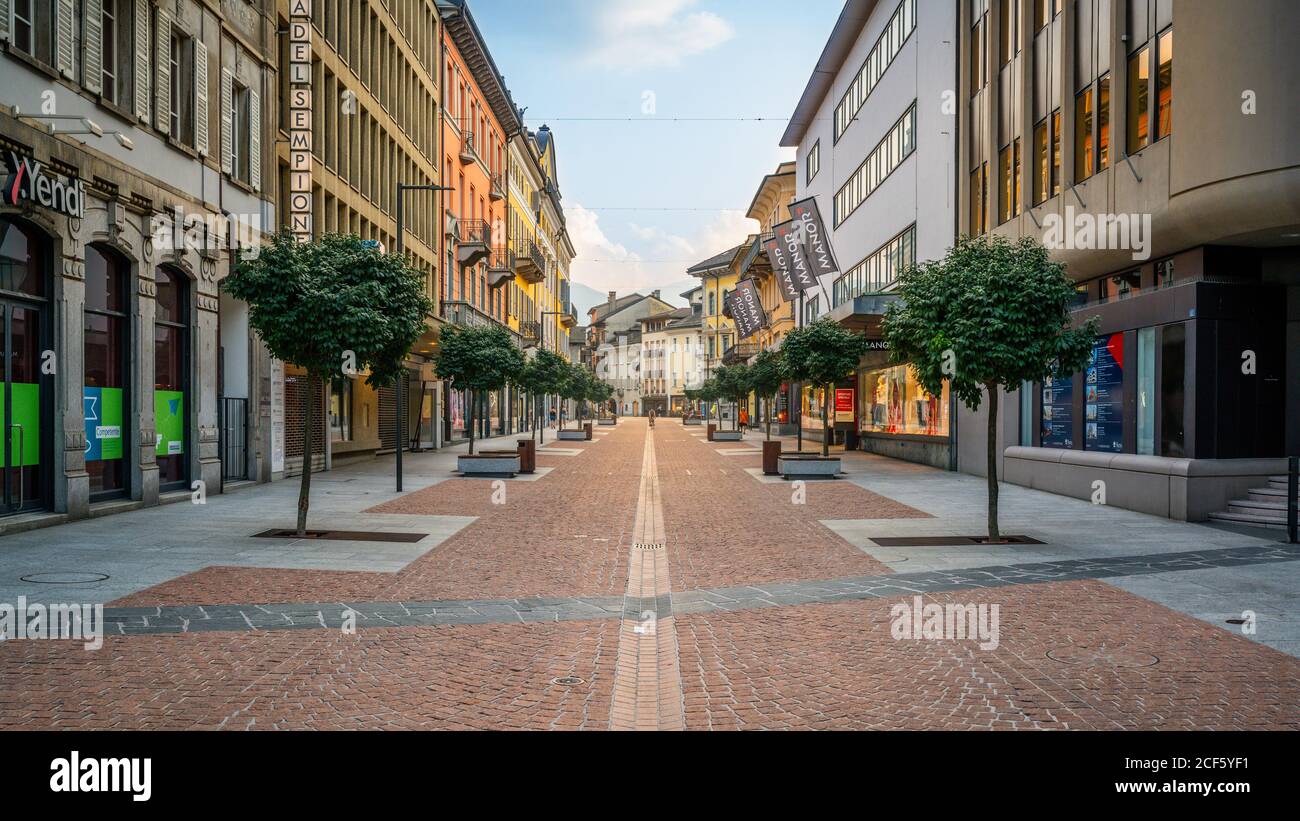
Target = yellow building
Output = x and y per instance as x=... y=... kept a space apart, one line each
x=718 y=276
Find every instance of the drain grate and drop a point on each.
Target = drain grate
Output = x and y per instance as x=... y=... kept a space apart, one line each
x=649 y=546
x=64 y=577
x=568 y=681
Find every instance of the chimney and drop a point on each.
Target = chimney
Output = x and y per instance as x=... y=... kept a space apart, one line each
x=656 y=293
x=613 y=298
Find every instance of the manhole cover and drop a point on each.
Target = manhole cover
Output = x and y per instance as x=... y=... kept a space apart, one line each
x=567 y=681
x=64 y=577
x=1102 y=656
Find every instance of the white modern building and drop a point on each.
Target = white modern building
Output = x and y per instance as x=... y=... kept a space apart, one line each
x=874 y=134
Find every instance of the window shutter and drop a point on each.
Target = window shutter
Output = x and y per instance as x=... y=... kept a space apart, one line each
x=201 y=98
x=6 y=25
x=63 y=37
x=92 y=37
x=255 y=140
x=142 y=59
x=162 y=114
x=227 y=120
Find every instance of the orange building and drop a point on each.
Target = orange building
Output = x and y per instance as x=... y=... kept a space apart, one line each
x=478 y=121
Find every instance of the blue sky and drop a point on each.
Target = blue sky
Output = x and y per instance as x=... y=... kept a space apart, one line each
x=581 y=66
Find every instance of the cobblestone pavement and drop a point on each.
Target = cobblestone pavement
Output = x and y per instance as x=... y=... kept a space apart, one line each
x=533 y=616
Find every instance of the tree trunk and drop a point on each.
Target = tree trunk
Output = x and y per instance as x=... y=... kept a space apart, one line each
x=304 y=489
x=470 y=422
x=994 y=534
x=826 y=425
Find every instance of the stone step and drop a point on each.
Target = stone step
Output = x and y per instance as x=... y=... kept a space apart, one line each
x=1269 y=494
x=1274 y=510
x=1277 y=482
x=1248 y=519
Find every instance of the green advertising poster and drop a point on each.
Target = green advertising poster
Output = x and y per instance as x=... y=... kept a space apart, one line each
x=169 y=422
x=103 y=414
x=25 y=433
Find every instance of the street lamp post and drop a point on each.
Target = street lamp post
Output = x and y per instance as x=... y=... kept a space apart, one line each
x=557 y=343
x=400 y=389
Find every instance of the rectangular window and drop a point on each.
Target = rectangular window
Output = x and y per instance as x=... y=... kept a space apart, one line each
x=977 y=58
x=240 y=147
x=814 y=161
x=341 y=412
x=1015 y=177
x=1164 y=273
x=1042 y=174
x=1004 y=182
x=889 y=153
x=1164 y=84
x=887 y=46
x=1146 y=392
x=1103 y=123
x=182 y=87
x=879 y=270
x=1139 y=100
x=1083 y=136
x=1173 y=353
x=1007 y=25
x=1056 y=152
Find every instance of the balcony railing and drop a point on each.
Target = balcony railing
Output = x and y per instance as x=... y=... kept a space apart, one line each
x=465 y=315
x=500 y=267
x=531 y=330
x=468 y=146
x=498 y=191
x=530 y=261
x=474 y=242
x=740 y=352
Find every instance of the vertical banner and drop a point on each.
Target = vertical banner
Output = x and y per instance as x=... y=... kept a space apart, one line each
x=169 y=422
x=103 y=419
x=746 y=309
x=844 y=398
x=277 y=416
x=300 y=120
x=1057 y=422
x=782 y=268
x=790 y=239
x=816 y=242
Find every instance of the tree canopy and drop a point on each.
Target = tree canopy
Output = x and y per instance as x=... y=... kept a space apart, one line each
x=482 y=358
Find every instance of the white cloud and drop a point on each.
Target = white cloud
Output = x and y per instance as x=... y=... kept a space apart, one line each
x=661 y=258
x=637 y=34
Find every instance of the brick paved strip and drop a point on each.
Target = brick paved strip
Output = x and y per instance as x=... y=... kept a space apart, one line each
x=631 y=607
x=647 y=680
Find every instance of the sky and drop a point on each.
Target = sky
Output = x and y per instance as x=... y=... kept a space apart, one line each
x=656 y=105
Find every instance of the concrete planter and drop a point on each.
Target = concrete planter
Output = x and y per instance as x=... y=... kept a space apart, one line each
x=608 y=423
x=696 y=421
x=571 y=435
x=808 y=467
x=728 y=435
x=492 y=464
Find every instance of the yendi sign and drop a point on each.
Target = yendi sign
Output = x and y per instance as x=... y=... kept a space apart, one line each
x=28 y=181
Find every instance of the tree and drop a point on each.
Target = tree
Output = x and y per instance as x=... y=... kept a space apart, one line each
x=600 y=392
x=478 y=360
x=335 y=308
x=989 y=315
x=543 y=375
x=733 y=383
x=576 y=386
x=708 y=393
x=822 y=352
x=765 y=377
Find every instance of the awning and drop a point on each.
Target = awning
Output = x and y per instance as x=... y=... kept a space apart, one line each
x=864 y=314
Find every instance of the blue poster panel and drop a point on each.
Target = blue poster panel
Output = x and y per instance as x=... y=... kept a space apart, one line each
x=1057 y=424
x=1103 y=404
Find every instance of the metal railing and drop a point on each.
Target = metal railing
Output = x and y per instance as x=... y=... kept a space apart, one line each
x=475 y=232
x=466 y=315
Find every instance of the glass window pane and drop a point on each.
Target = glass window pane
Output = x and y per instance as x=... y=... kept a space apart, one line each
x=1165 y=84
x=1139 y=104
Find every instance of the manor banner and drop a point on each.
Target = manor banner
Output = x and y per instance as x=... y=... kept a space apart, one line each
x=816 y=242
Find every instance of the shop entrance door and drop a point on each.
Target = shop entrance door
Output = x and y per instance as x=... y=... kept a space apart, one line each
x=23 y=409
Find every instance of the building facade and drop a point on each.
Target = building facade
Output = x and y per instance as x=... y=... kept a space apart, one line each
x=874 y=134
x=672 y=356
x=1172 y=194
x=614 y=345
x=129 y=185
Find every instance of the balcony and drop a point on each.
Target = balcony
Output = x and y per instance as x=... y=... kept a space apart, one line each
x=568 y=318
x=531 y=331
x=498 y=191
x=500 y=267
x=474 y=242
x=465 y=315
x=468 y=148
x=740 y=352
x=530 y=262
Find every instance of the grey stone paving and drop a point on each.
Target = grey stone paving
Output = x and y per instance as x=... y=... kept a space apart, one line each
x=242 y=617
x=146 y=547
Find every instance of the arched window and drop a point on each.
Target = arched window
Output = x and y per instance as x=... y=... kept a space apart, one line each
x=107 y=357
x=171 y=383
